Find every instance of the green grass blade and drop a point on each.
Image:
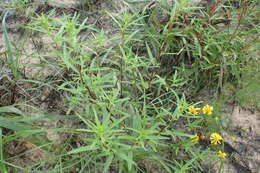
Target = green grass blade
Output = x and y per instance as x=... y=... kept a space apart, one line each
x=11 y=60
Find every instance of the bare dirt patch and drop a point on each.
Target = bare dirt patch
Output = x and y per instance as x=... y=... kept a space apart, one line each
x=243 y=139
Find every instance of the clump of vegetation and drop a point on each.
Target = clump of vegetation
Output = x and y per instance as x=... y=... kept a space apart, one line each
x=128 y=94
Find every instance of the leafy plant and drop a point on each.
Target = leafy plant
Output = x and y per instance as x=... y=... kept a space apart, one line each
x=129 y=96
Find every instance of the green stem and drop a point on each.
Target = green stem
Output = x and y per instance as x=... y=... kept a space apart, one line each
x=2 y=165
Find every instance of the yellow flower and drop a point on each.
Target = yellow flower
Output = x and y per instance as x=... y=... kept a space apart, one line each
x=207 y=110
x=195 y=139
x=202 y=137
x=222 y=154
x=194 y=111
x=215 y=138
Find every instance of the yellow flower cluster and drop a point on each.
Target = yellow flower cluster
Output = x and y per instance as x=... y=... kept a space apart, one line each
x=215 y=139
x=206 y=110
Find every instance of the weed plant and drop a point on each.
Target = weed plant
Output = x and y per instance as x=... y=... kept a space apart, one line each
x=131 y=104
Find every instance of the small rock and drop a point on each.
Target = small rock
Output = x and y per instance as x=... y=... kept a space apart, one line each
x=63 y=3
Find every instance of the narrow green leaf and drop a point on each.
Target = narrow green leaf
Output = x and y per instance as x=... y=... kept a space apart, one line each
x=108 y=163
x=83 y=149
x=10 y=109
